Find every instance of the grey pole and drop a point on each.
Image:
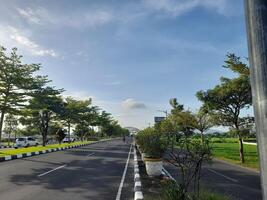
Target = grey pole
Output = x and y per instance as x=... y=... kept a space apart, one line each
x=256 y=19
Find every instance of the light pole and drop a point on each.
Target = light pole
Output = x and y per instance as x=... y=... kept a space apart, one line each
x=256 y=20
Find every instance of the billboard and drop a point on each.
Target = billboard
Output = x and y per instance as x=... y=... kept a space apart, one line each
x=158 y=119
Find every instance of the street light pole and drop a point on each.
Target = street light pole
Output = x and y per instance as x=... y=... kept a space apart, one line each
x=256 y=20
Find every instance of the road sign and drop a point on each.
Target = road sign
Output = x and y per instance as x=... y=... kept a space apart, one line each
x=158 y=119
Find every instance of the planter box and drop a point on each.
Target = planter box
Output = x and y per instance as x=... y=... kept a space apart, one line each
x=143 y=156
x=153 y=167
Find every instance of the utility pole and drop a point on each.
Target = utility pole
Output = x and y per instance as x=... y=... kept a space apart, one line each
x=256 y=20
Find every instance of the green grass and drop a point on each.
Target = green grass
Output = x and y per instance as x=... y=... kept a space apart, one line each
x=230 y=152
x=38 y=148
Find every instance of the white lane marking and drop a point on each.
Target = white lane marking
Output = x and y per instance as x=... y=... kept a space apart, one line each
x=168 y=173
x=52 y=170
x=91 y=154
x=227 y=177
x=118 y=197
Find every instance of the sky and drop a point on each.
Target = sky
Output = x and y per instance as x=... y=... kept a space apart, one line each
x=129 y=56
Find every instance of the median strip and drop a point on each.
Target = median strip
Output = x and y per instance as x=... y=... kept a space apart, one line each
x=22 y=153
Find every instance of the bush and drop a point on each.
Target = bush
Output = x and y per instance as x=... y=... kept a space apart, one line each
x=152 y=143
x=173 y=191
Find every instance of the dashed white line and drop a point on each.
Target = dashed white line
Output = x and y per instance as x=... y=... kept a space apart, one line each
x=118 y=197
x=91 y=154
x=222 y=175
x=52 y=170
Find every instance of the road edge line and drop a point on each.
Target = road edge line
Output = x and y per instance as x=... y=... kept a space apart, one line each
x=118 y=197
x=138 y=194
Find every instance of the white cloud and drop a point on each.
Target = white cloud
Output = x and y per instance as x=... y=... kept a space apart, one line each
x=89 y=18
x=179 y=7
x=30 y=15
x=12 y=37
x=132 y=104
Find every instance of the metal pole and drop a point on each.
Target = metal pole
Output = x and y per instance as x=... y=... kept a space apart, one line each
x=256 y=19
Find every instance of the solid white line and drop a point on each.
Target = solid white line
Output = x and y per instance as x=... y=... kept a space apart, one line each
x=227 y=177
x=118 y=197
x=91 y=154
x=168 y=173
x=52 y=170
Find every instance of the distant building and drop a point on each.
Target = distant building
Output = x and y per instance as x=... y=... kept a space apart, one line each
x=133 y=130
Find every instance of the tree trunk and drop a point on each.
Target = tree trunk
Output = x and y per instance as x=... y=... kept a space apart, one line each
x=1 y=123
x=44 y=140
x=202 y=137
x=241 y=150
x=69 y=132
x=9 y=138
x=173 y=138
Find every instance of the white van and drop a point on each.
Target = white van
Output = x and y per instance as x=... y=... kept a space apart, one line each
x=25 y=142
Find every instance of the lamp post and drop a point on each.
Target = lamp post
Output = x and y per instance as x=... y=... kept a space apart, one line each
x=256 y=20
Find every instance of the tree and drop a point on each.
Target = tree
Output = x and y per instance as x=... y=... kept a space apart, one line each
x=43 y=107
x=176 y=107
x=11 y=124
x=203 y=122
x=87 y=119
x=60 y=134
x=104 y=121
x=73 y=110
x=226 y=100
x=17 y=82
x=81 y=130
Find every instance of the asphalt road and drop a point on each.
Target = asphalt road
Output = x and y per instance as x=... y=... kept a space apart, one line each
x=237 y=182
x=90 y=172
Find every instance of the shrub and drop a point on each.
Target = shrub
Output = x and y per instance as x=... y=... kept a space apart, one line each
x=173 y=191
x=152 y=143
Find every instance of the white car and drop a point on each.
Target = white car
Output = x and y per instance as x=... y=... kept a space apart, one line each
x=66 y=139
x=25 y=142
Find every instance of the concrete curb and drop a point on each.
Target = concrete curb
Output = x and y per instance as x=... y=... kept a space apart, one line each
x=5 y=146
x=138 y=194
x=29 y=154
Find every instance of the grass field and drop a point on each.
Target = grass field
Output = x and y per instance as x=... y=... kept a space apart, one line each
x=38 y=148
x=230 y=152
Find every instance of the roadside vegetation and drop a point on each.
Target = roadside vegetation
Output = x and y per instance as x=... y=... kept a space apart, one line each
x=38 y=148
x=182 y=140
x=229 y=152
x=31 y=106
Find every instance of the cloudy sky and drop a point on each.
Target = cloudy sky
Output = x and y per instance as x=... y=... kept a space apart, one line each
x=130 y=56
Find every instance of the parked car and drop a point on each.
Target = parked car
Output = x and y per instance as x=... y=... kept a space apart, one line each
x=66 y=139
x=25 y=142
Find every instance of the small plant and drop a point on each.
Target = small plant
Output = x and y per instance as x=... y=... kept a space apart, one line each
x=188 y=158
x=174 y=191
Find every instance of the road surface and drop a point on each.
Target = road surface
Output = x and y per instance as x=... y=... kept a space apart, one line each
x=237 y=182
x=90 y=172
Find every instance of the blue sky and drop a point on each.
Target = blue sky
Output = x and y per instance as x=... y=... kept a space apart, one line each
x=130 y=56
